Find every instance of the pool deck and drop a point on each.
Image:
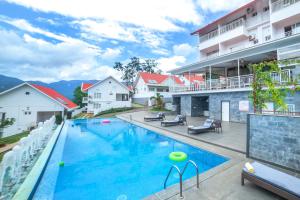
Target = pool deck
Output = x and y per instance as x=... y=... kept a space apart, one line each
x=221 y=182
x=233 y=136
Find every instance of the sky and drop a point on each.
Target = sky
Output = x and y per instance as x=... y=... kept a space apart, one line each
x=52 y=40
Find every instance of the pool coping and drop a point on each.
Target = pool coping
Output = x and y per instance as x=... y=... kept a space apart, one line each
x=27 y=188
x=173 y=190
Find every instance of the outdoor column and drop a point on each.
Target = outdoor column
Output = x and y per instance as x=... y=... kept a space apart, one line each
x=210 y=77
x=239 y=77
x=190 y=80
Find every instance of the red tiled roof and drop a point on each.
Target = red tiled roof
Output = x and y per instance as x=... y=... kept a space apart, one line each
x=199 y=31
x=56 y=96
x=194 y=78
x=84 y=86
x=157 y=78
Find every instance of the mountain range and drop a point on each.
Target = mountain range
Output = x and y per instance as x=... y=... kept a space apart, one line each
x=66 y=88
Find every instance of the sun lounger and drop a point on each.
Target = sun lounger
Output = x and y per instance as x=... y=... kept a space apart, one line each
x=207 y=126
x=159 y=117
x=179 y=120
x=280 y=183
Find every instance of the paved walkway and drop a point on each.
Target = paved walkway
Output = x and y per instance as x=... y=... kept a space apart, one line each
x=219 y=183
x=7 y=147
x=233 y=136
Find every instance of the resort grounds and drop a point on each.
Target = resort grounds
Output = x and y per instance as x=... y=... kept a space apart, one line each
x=221 y=182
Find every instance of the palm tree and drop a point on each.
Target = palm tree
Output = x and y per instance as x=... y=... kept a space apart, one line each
x=159 y=103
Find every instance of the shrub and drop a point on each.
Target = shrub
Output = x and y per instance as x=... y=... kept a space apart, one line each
x=58 y=119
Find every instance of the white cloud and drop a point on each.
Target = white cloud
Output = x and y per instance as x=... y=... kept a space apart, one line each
x=155 y=14
x=31 y=57
x=167 y=64
x=221 y=5
x=184 y=49
x=110 y=53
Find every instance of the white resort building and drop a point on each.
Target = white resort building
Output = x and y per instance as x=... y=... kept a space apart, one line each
x=106 y=94
x=30 y=104
x=148 y=85
x=261 y=30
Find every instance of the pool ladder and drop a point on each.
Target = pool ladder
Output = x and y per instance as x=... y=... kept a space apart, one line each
x=180 y=173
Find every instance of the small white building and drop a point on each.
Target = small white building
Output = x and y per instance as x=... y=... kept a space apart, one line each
x=149 y=84
x=30 y=104
x=106 y=94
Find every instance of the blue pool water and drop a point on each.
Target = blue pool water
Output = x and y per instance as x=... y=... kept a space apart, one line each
x=115 y=161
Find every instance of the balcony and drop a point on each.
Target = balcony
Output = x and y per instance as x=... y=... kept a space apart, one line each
x=209 y=40
x=231 y=83
x=284 y=9
x=232 y=30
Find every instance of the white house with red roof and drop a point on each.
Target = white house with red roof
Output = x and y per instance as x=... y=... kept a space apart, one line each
x=106 y=94
x=148 y=84
x=30 y=104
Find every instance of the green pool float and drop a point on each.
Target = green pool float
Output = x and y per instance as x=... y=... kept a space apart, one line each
x=178 y=156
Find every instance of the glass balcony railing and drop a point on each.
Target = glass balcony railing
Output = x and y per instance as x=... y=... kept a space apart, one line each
x=232 y=25
x=235 y=82
x=280 y=4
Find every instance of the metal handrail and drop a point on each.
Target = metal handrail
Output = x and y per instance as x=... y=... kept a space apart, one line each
x=180 y=177
x=181 y=174
x=196 y=167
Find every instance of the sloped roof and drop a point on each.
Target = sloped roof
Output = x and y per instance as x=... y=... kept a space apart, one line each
x=151 y=78
x=201 y=30
x=56 y=96
x=85 y=86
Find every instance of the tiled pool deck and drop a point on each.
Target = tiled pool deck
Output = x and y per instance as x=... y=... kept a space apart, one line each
x=232 y=137
x=221 y=182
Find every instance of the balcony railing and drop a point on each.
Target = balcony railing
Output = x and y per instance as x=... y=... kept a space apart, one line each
x=235 y=82
x=232 y=25
x=280 y=4
x=209 y=35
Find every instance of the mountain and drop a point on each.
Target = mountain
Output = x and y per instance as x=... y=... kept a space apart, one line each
x=64 y=87
x=7 y=82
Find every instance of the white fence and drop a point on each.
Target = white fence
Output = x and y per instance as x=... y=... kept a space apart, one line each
x=17 y=162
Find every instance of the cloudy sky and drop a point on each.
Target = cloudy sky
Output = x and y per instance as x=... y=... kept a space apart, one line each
x=51 y=40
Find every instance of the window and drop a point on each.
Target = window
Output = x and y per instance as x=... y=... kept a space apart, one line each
x=160 y=89
x=266 y=9
x=254 y=14
x=122 y=97
x=151 y=89
x=27 y=93
x=97 y=105
x=97 y=95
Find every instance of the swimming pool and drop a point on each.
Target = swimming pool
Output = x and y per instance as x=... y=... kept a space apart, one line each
x=116 y=160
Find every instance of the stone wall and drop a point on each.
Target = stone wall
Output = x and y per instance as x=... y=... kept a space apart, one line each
x=275 y=139
x=215 y=102
x=186 y=105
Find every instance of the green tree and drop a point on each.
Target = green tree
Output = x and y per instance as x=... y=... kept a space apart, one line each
x=78 y=95
x=130 y=70
x=267 y=89
x=6 y=123
x=159 y=102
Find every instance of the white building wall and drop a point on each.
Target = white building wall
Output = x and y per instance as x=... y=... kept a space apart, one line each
x=108 y=90
x=15 y=103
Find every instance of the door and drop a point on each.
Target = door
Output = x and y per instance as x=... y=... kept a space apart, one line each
x=225 y=111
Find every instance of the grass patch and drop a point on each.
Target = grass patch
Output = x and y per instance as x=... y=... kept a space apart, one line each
x=136 y=105
x=13 y=138
x=112 y=112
